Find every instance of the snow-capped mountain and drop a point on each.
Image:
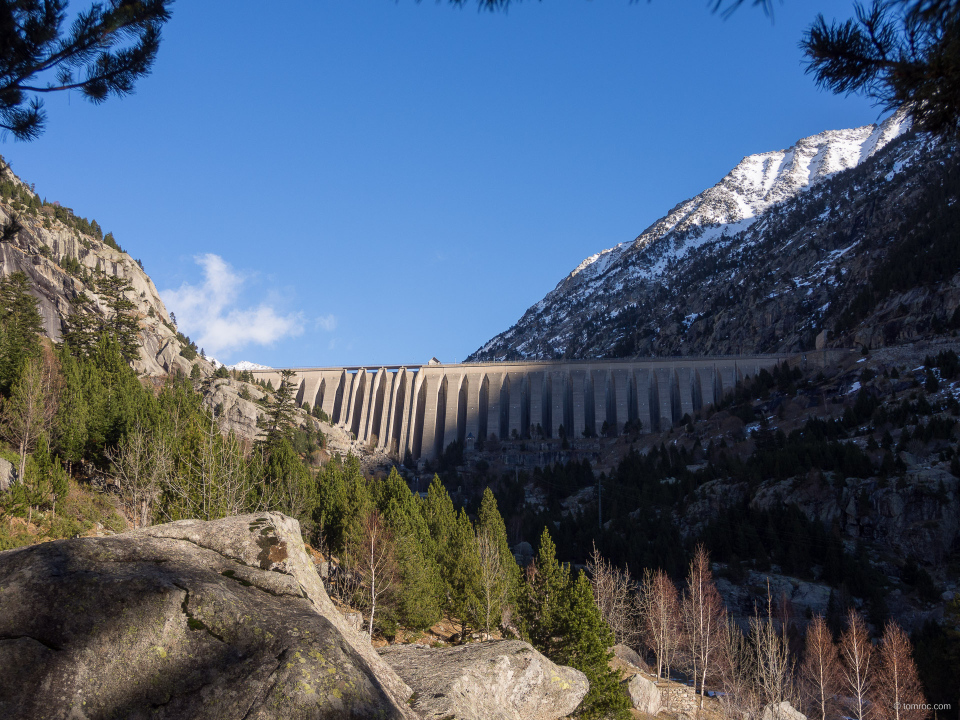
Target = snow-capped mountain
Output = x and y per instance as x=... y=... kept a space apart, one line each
x=633 y=298
x=241 y=366
x=247 y=365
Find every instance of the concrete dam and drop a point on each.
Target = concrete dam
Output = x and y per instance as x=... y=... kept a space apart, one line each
x=421 y=409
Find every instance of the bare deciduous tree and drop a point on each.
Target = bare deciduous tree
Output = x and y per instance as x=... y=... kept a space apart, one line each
x=493 y=580
x=210 y=479
x=774 y=679
x=820 y=671
x=31 y=408
x=612 y=593
x=371 y=554
x=856 y=653
x=703 y=616
x=659 y=611
x=141 y=466
x=899 y=694
x=738 y=673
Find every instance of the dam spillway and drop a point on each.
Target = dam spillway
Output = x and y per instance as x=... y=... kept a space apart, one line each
x=421 y=409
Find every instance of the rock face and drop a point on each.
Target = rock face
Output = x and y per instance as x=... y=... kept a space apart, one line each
x=236 y=414
x=224 y=619
x=497 y=680
x=645 y=694
x=782 y=711
x=629 y=656
x=7 y=474
x=43 y=249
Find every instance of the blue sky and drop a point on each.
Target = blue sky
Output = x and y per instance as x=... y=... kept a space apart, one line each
x=321 y=183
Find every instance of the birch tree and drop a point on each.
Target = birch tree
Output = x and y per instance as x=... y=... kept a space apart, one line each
x=493 y=579
x=738 y=673
x=141 y=466
x=856 y=652
x=660 y=618
x=820 y=670
x=210 y=478
x=612 y=594
x=773 y=665
x=371 y=554
x=703 y=616
x=899 y=694
x=32 y=406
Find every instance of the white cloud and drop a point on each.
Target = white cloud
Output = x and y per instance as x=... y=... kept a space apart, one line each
x=327 y=322
x=207 y=312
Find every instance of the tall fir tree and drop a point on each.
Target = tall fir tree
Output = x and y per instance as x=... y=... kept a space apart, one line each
x=490 y=525
x=288 y=486
x=461 y=571
x=122 y=322
x=83 y=327
x=278 y=421
x=72 y=411
x=439 y=514
x=21 y=326
x=584 y=639
x=541 y=595
x=330 y=509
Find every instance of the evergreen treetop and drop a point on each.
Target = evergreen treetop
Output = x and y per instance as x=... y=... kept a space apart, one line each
x=278 y=422
x=112 y=44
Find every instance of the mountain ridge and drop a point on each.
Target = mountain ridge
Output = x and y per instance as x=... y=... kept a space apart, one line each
x=584 y=316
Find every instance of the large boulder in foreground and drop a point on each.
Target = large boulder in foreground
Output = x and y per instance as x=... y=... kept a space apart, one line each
x=224 y=619
x=496 y=680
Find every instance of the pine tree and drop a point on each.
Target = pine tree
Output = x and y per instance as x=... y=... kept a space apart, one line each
x=584 y=642
x=21 y=326
x=122 y=322
x=278 y=422
x=541 y=596
x=461 y=572
x=83 y=327
x=899 y=53
x=420 y=593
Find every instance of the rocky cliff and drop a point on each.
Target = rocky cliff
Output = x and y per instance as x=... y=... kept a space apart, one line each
x=60 y=252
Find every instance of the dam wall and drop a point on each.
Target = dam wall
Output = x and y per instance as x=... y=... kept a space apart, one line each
x=421 y=409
